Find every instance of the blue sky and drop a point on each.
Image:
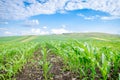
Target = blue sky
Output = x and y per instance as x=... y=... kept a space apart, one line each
x=41 y=17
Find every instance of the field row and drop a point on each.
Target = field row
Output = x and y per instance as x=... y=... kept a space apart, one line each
x=14 y=56
x=60 y=57
x=81 y=59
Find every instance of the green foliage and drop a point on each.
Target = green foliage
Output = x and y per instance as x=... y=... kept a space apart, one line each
x=46 y=66
x=87 y=55
x=13 y=57
x=83 y=58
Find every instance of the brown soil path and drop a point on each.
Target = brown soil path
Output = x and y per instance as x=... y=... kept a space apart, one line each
x=29 y=39
x=102 y=39
x=33 y=71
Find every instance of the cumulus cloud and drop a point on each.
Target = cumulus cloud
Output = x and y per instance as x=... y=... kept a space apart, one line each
x=64 y=26
x=3 y=29
x=110 y=17
x=109 y=6
x=34 y=31
x=21 y=9
x=59 y=31
x=44 y=31
x=5 y=32
x=31 y=23
x=88 y=17
x=44 y=27
x=38 y=31
x=98 y=16
x=8 y=33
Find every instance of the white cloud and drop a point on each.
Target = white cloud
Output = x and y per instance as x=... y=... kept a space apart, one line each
x=81 y=15
x=59 y=31
x=3 y=29
x=44 y=27
x=31 y=23
x=64 y=26
x=7 y=33
x=98 y=16
x=45 y=31
x=34 y=31
x=16 y=9
x=88 y=17
x=110 y=6
x=110 y=17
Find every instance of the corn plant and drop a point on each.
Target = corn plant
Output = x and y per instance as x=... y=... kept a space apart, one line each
x=87 y=59
x=46 y=66
x=83 y=58
x=119 y=76
x=13 y=59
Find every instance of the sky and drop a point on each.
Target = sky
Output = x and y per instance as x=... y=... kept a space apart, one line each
x=44 y=17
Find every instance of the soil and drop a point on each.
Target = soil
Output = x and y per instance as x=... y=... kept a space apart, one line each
x=33 y=70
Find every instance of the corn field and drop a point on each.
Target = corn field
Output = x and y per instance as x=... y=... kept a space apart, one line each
x=85 y=59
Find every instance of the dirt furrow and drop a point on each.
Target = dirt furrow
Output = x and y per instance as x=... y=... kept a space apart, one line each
x=33 y=71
